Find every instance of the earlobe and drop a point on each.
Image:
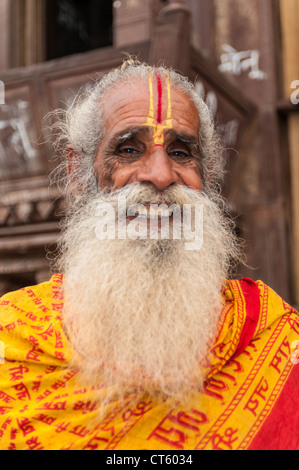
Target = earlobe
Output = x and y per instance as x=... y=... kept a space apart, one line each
x=72 y=167
x=71 y=156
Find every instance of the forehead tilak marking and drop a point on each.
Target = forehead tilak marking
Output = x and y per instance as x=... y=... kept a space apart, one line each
x=159 y=107
x=158 y=135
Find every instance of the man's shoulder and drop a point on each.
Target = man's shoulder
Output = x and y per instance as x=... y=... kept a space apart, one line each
x=257 y=309
x=261 y=298
x=31 y=319
x=33 y=301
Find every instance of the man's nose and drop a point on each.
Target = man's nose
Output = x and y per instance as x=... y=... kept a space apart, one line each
x=157 y=169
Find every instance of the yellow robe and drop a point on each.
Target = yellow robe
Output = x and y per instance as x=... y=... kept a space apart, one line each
x=250 y=399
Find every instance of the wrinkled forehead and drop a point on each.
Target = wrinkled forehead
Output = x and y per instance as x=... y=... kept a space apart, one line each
x=152 y=97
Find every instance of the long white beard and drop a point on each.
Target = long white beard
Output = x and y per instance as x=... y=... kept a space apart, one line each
x=143 y=313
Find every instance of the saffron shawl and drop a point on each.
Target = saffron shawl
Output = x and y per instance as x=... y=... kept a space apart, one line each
x=250 y=398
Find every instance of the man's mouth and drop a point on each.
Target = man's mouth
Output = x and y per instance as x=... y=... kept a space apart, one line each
x=152 y=211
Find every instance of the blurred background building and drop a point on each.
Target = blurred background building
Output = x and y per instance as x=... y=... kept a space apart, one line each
x=243 y=57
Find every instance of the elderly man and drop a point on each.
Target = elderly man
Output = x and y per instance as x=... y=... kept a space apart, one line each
x=141 y=341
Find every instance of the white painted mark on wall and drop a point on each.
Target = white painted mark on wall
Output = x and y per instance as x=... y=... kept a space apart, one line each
x=228 y=130
x=295 y=94
x=2 y=93
x=235 y=62
x=19 y=123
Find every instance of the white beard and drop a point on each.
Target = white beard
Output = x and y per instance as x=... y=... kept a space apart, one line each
x=143 y=313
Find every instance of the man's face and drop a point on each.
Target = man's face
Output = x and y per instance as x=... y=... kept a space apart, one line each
x=151 y=136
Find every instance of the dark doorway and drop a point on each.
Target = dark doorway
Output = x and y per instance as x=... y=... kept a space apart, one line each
x=75 y=26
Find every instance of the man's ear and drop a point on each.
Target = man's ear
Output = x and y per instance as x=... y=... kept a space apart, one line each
x=72 y=167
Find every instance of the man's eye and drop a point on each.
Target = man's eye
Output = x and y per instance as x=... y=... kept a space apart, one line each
x=128 y=153
x=180 y=155
x=128 y=150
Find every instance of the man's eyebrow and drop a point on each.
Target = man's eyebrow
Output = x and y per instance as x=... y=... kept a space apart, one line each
x=185 y=138
x=128 y=134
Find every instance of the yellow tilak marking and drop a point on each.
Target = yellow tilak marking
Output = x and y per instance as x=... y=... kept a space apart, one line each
x=168 y=117
x=151 y=109
x=158 y=135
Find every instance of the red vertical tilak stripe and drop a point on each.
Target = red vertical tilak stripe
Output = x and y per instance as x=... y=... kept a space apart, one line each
x=159 y=109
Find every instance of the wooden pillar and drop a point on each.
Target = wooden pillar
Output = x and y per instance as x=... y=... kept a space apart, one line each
x=203 y=28
x=290 y=42
x=133 y=21
x=17 y=44
x=171 y=37
x=34 y=31
x=27 y=32
x=4 y=34
x=290 y=45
